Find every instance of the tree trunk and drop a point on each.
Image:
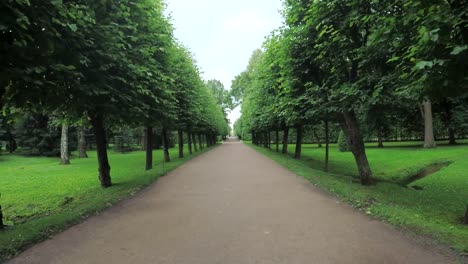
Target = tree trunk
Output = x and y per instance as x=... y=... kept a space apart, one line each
x=269 y=139
x=353 y=135
x=194 y=140
x=149 y=148
x=144 y=139
x=207 y=139
x=380 y=137
x=1 y=218
x=452 y=136
x=429 y=140
x=265 y=140
x=64 y=153
x=181 y=142
x=277 y=140
x=319 y=141
x=101 y=146
x=327 y=146
x=299 y=130
x=285 y=140
x=449 y=116
x=167 y=157
x=189 y=137
x=82 y=147
x=465 y=219
x=200 y=142
x=12 y=143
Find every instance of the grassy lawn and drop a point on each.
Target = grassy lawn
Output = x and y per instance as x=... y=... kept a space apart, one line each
x=40 y=197
x=435 y=210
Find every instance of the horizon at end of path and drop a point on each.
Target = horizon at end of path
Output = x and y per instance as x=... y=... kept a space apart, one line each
x=232 y=205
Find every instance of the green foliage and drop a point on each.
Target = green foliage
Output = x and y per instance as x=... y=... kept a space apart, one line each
x=36 y=137
x=342 y=144
x=80 y=61
x=365 y=65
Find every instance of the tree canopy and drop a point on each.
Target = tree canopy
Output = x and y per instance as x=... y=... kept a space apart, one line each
x=368 y=66
x=109 y=62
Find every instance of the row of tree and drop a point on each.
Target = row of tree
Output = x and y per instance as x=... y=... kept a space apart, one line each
x=103 y=64
x=378 y=65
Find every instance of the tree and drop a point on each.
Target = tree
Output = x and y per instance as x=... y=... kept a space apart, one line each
x=64 y=150
x=88 y=63
x=82 y=145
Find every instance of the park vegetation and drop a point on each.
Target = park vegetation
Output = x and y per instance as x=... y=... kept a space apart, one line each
x=92 y=75
x=351 y=72
x=388 y=66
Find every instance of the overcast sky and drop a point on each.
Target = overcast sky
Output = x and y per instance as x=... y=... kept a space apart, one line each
x=223 y=34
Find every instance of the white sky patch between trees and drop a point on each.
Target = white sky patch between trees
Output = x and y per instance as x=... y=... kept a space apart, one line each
x=223 y=34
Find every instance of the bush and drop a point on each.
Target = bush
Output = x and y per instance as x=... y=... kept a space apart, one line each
x=36 y=137
x=342 y=144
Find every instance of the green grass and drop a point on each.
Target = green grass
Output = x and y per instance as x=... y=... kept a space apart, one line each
x=436 y=210
x=41 y=197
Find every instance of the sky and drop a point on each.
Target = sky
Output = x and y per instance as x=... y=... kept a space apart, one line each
x=223 y=34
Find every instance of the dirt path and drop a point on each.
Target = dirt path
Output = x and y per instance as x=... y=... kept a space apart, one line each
x=232 y=205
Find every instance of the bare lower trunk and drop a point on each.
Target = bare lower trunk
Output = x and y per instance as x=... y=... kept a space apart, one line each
x=327 y=146
x=194 y=141
x=299 y=131
x=1 y=218
x=200 y=141
x=144 y=139
x=465 y=219
x=189 y=143
x=452 y=136
x=319 y=141
x=167 y=158
x=429 y=140
x=269 y=140
x=449 y=122
x=82 y=146
x=380 y=137
x=285 y=140
x=355 y=142
x=181 y=142
x=11 y=143
x=149 y=148
x=101 y=147
x=277 y=140
x=265 y=140
x=64 y=153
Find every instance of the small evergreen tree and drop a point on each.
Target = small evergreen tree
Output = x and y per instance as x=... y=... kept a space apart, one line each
x=36 y=137
x=123 y=140
x=342 y=144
